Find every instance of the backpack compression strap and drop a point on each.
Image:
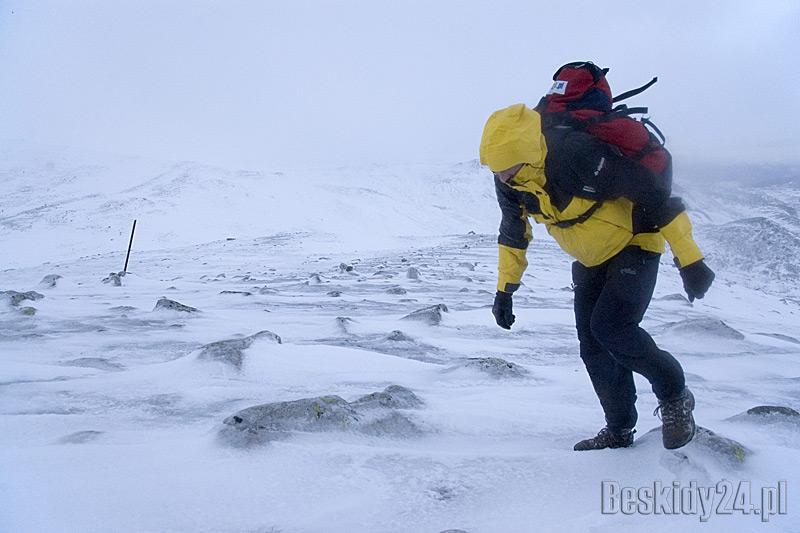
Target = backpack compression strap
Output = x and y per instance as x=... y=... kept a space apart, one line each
x=634 y=92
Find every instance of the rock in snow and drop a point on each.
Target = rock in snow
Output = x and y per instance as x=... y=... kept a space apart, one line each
x=242 y=293
x=99 y=363
x=114 y=278
x=430 y=315
x=15 y=298
x=373 y=414
x=396 y=290
x=393 y=396
x=768 y=414
x=172 y=305
x=723 y=449
x=49 y=281
x=343 y=324
x=709 y=327
x=80 y=437
x=231 y=351
x=398 y=336
x=493 y=366
x=767 y=410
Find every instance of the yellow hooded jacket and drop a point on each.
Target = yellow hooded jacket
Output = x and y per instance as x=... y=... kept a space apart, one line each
x=513 y=136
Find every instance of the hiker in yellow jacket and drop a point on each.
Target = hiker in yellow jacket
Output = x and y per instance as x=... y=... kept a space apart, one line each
x=598 y=207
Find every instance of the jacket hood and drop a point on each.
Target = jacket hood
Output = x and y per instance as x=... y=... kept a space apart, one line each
x=512 y=136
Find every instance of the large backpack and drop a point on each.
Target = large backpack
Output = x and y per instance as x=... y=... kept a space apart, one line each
x=581 y=98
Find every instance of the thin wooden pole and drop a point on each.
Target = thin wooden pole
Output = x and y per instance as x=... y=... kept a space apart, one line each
x=129 y=248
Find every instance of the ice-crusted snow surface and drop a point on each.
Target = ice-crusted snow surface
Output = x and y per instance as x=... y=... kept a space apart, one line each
x=113 y=410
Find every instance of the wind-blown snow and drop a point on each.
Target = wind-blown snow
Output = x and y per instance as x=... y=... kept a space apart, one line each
x=111 y=419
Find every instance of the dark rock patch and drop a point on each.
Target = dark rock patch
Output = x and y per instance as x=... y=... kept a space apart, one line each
x=114 y=279
x=80 y=437
x=49 y=281
x=231 y=351
x=769 y=414
x=396 y=290
x=15 y=298
x=123 y=308
x=430 y=315
x=262 y=423
x=99 y=363
x=393 y=397
x=493 y=366
x=723 y=449
x=765 y=410
x=242 y=293
x=708 y=327
x=267 y=290
x=373 y=414
x=343 y=323
x=171 y=305
x=398 y=336
x=391 y=424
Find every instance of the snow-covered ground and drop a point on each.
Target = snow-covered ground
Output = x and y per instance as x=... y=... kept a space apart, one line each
x=113 y=413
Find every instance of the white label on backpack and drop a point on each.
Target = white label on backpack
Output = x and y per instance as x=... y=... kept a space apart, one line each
x=559 y=87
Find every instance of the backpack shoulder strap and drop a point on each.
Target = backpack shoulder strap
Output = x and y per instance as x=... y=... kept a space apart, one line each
x=563 y=224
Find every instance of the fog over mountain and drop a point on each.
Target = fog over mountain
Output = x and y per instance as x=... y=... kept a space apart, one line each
x=286 y=84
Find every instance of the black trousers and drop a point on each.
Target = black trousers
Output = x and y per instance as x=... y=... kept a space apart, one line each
x=610 y=302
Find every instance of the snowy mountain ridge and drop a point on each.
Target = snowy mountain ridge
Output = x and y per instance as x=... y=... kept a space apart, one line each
x=66 y=203
x=73 y=204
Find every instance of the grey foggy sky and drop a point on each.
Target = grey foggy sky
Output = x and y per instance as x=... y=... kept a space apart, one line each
x=286 y=84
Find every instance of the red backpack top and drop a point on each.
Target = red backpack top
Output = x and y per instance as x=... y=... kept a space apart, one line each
x=581 y=97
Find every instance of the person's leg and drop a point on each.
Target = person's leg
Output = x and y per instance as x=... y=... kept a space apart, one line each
x=612 y=382
x=630 y=280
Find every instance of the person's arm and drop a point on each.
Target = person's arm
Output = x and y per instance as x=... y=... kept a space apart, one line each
x=514 y=235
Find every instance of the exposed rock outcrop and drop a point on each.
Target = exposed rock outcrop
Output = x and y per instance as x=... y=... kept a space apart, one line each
x=430 y=315
x=231 y=351
x=165 y=304
x=374 y=414
x=493 y=366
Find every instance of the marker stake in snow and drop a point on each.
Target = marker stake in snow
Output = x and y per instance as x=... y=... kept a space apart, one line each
x=130 y=243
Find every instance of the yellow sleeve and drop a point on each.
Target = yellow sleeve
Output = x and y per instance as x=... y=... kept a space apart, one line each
x=511 y=265
x=678 y=234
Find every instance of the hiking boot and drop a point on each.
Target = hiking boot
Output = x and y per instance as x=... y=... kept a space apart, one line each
x=677 y=422
x=607 y=439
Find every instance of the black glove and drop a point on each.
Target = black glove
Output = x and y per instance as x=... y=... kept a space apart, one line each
x=697 y=278
x=502 y=309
